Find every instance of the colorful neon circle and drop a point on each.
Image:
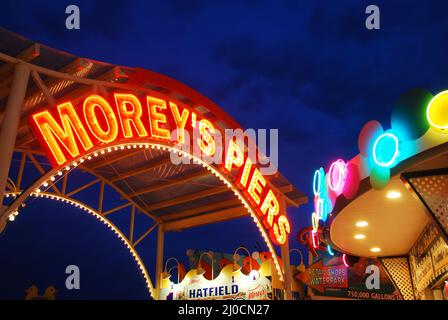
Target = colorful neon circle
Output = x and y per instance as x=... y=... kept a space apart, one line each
x=337 y=175
x=385 y=150
x=437 y=111
x=316 y=182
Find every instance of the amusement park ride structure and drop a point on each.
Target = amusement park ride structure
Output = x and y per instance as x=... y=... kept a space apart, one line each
x=138 y=173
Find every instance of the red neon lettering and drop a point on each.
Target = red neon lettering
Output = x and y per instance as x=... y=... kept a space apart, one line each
x=94 y=104
x=130 y=113
x=56 y=136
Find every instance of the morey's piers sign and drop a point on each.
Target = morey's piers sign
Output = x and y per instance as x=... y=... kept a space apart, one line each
x=69 y=132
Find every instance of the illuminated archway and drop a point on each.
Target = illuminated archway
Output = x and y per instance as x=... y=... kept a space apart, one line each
x=81 y=78
x=101 y=218
x=48 y=179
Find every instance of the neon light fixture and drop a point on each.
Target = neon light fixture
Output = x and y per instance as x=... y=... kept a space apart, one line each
x=315 y=237
x=385 y=150
x=330 y=251
x=320 y=211
x=437 y=111
x=337 y=176
x=316 y=182
x=315 y=221
x=344 y=260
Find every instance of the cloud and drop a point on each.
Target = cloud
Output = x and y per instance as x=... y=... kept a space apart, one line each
x=99 y=19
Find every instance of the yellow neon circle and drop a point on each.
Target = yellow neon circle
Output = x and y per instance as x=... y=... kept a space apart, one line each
x=437 y=111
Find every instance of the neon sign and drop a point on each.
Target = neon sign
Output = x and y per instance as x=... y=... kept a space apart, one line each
x=379 y=152
x=337 y=175
x=437 y=111
x=344 y=260
x=68 y=132
x=385 y=150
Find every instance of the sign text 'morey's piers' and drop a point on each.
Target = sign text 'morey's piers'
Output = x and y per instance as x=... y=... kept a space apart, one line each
x=68 y=132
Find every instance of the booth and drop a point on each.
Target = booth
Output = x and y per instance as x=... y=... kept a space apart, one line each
x=214 y=275
x=390 y=202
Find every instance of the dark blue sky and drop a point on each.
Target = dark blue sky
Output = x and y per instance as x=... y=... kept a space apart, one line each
x=309 y=68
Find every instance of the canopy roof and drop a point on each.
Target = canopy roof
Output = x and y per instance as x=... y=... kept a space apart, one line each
x=184 y=195
x=394 y=224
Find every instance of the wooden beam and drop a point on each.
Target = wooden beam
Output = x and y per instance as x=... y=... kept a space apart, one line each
x=170 y=183
x=201 y=210
x=186 y=198
x=150 y=166
x=205 y=219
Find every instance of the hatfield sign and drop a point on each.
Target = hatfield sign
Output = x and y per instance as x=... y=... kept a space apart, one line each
x=229 y=285
x=69 y=132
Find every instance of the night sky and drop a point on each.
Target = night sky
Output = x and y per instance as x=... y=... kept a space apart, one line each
x=309 y=68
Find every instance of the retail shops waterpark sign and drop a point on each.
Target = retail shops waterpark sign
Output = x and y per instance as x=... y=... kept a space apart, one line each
x=72 y=133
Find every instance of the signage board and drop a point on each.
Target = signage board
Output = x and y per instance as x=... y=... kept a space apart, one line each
x=329 y=277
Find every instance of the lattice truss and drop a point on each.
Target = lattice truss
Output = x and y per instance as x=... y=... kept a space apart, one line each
x=398 y=269
x=88 y=191
x=433 y=190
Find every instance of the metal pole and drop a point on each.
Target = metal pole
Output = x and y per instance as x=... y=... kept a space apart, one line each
x=287 y=275
x=10 y=125
x=159 y=262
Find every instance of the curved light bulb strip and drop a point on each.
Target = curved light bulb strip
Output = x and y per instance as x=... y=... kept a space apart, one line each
x=48 y=179
x=107 y=222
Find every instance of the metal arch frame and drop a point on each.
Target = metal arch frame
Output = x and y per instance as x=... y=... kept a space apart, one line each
x=144 y=75
x=45 y=178
x=134 y=84
x=101 y=216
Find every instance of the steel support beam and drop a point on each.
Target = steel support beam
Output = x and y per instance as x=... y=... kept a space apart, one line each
x=159 y=262
x=10 y=125
x=287 y=274
x=208 y=218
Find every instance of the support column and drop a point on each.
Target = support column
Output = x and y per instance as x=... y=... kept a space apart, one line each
x=287 y=275
x=159 y=262
x=10 y=125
